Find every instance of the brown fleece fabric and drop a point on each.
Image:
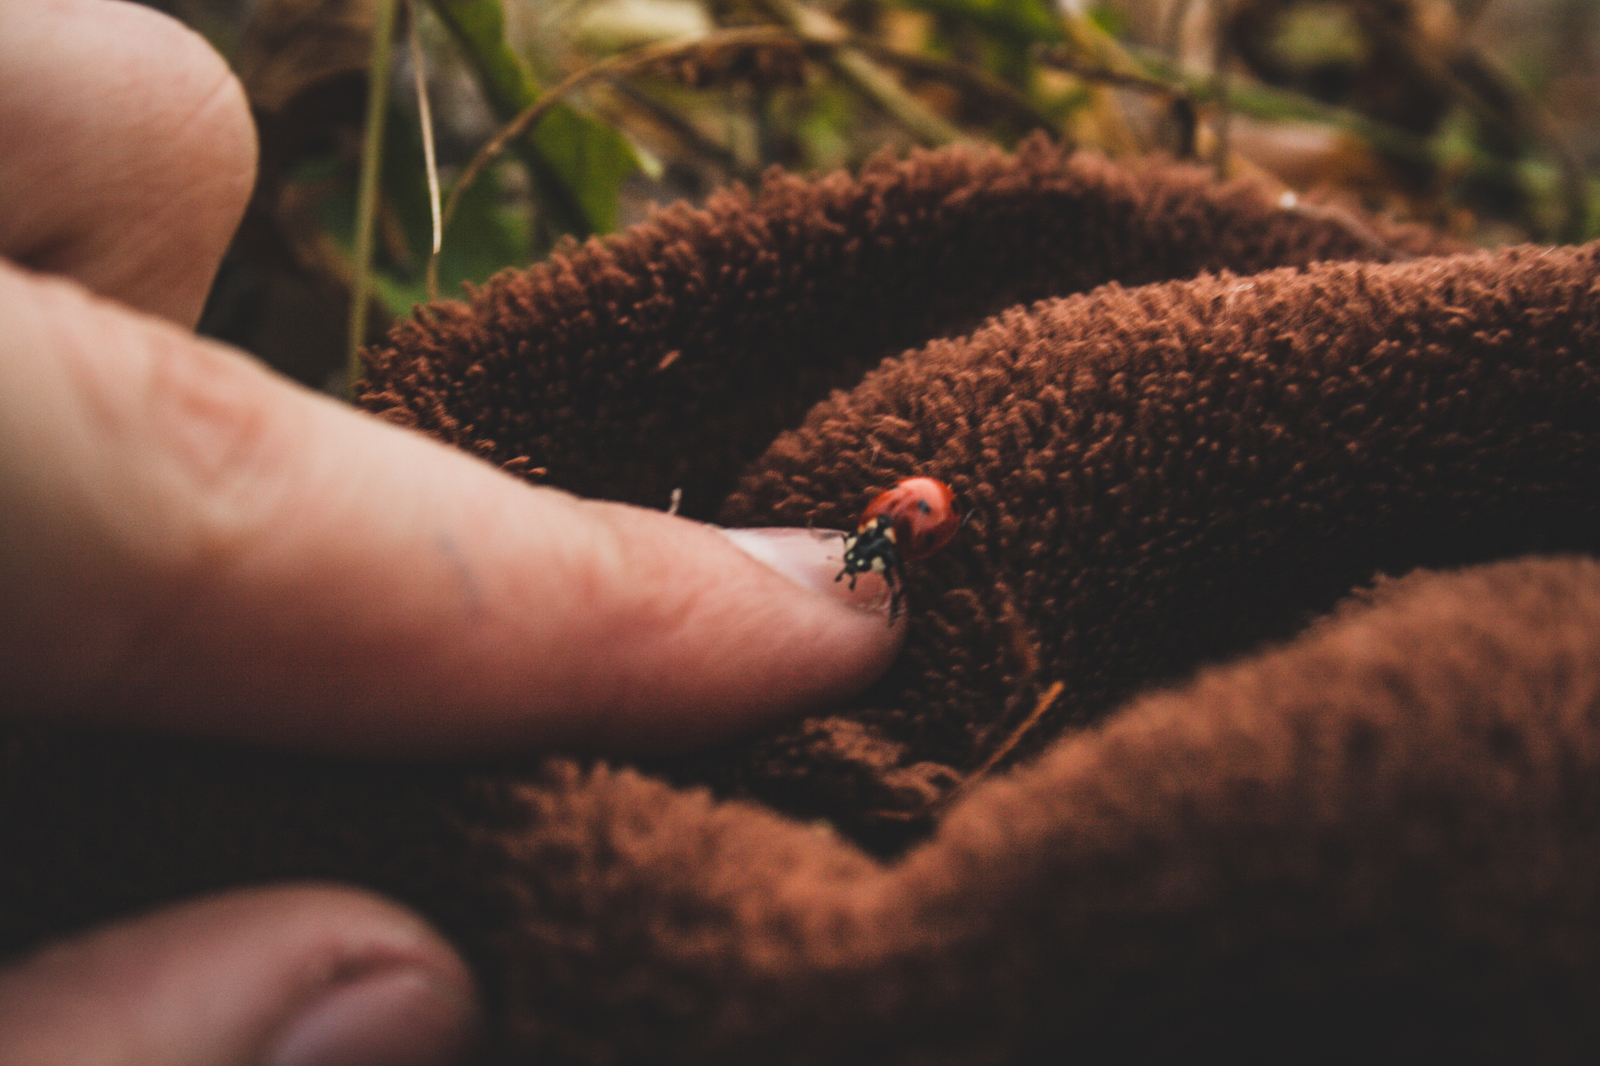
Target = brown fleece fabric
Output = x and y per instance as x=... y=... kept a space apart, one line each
x=1167 y=767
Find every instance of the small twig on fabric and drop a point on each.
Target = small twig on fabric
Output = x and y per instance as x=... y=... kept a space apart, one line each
x=1046 y=700
x=1043 y=703
x=1024 y=647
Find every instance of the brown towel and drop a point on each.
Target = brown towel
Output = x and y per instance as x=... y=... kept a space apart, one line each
x=1137 y=787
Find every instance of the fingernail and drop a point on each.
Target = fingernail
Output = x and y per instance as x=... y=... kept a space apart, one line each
x=814 y=559
x=400 y=1017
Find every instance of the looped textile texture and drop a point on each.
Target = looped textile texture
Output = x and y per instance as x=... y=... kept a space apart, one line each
x=1256 y=710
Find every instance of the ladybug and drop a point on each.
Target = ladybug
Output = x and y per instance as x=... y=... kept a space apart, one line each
x=911 y=521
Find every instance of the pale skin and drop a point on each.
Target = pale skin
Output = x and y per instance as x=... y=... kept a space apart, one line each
x=191 y=544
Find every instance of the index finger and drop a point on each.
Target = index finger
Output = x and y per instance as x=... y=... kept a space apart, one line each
x=192 y=543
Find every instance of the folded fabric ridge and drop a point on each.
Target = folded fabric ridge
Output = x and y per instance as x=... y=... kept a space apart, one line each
x=698 y=335
x=1377 y=841
x=1167 y=476
x=1168 y=766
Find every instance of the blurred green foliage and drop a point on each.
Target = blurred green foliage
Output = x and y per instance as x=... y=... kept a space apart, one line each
x=578 y=163
x=1408 y=107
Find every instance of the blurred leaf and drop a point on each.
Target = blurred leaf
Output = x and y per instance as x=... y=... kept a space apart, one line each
x=1495 y=158
x=862 y=72
x=292 y=46
x=1108 y=19
x=488 y=235
x=1016 y=21
x=369 y=188
x=578 y=164
x=1310 y=35
x=1591 y=223
x=612 y=25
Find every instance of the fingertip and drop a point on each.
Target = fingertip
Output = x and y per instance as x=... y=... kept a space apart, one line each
x=716 y=632
x=814 y=560
x=132 y=143
x=218 y=552
x=290 y=975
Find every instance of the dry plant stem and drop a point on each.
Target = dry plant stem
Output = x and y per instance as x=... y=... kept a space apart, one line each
x=1046 y=700
x=690 y=139
x=1253 y=99
x=1082 y=38
x=1063 y=58
x=367 y=195
x=1111 y=64
x=1219 y=71
x=425 y=115
x=478 y=28
x=621 y=65
x=1043 y=703
x=974 y=82
x=1178 y=98
x=859 y=71
x=1171 y=38
x=1025 y=647
x=1349 y=221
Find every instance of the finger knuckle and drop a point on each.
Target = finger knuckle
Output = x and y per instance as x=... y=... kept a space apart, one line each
x=195 y=452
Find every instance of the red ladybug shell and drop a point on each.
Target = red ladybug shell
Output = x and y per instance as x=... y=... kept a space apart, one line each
x=922 y=512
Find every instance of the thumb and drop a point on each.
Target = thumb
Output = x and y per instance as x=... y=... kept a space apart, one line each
x=287 y=976
x=190 y=542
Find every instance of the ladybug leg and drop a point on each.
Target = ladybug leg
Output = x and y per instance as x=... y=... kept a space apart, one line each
x=890 y=575
x=849 y=566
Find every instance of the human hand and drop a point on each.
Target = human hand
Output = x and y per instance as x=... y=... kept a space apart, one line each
x=189 y=543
